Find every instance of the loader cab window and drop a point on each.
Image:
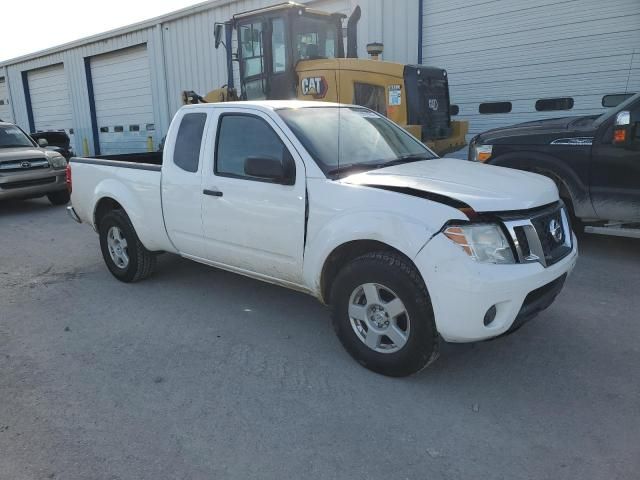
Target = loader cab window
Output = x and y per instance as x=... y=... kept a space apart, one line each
x=278 y=45
x=314 y=38
x=252 y=53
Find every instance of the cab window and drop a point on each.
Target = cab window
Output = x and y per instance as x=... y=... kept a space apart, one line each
x=252 y=60
x=314 y=38
x=278 y=46
x=234 y=145
x=186 y=154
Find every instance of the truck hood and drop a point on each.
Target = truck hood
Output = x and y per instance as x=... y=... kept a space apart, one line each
x=539 y=131
x=20 y=153
x=485 y=188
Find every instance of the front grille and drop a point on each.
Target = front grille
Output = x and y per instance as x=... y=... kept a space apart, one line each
x=542 y=236
x=27 y=183
x=24 y=165
x=554 y=249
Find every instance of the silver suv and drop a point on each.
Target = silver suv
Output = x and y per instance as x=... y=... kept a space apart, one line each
x=27 y=170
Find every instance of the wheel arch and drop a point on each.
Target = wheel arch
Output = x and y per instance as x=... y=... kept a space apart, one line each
x=571 y=187
x=346 y=252
x=103 y=206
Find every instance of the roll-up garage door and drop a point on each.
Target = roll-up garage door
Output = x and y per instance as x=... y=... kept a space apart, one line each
x=50 y=103
x=5 y=108
x=123 y=104
x=511 y=62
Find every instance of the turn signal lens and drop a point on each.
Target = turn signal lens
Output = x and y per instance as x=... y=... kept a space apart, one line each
x=620 y=135
x=456 y=234
x=483 y=153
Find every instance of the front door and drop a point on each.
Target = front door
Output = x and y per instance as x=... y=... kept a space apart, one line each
x=250 y=224
x=615 y=173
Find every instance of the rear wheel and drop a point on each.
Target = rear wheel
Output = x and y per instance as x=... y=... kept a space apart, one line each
x=60 y=197
x=382 y=314
x=127 y=259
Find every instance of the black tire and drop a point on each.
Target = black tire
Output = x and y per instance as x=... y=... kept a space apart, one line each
x=396 y=273
x=141 y=263
x=61 y=197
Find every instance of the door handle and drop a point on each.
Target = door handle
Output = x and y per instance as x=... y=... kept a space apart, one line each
x=212 y=193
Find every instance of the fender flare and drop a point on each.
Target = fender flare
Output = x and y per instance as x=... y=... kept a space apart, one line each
x=118 y=192
x=409 y=236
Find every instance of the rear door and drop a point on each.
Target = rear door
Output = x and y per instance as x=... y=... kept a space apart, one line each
x=615 y=174
x=251 y=224
x=182 y=179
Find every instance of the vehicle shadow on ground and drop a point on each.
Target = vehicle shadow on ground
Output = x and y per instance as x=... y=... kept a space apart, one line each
x=537 y=345
x=13 y=208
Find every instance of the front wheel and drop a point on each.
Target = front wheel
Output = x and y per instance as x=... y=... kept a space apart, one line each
x=61 y=197
x=123 y=252
x=382 y=314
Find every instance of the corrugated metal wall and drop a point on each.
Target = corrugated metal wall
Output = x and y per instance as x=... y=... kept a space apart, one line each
x=73 y=60
x=181 y=54
x=519 y=52
x=5 y=102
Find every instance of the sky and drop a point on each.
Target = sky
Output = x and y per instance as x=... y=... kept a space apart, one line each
x=32 y=25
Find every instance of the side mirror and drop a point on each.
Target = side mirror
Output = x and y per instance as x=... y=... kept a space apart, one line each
x=42 y=142
x=622 y=129
x=269 y=168
x=218 y=30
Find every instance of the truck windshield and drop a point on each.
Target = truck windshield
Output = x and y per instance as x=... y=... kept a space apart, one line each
x=346 y=139
x=314 y=38
x=12 y=136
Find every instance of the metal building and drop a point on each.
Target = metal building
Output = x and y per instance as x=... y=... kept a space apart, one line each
x=515 y=61
x=508 y=61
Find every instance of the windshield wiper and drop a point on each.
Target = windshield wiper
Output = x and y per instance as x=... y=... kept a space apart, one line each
x=352 y=167
x=15 y=146
x=406 y=159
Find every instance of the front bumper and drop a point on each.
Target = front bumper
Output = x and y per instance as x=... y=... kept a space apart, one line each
x=462 y=290
x=32 y=184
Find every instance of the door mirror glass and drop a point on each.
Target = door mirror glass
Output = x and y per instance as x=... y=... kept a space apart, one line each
x=218 y=33
x=42 y=142
x=267 y=168
x=622 y=128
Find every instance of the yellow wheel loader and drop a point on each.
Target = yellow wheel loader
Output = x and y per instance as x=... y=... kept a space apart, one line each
x=290 y=51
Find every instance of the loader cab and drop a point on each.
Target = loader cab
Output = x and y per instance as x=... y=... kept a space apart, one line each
x=271 y=42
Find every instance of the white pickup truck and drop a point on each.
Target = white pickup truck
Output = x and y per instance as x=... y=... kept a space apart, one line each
x=338 y=202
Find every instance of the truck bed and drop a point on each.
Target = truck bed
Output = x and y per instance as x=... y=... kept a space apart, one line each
x=138 y=161
x=133 y=181
x=148 y=158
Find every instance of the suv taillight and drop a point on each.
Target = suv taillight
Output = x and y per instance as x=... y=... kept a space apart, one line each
x=68 y=177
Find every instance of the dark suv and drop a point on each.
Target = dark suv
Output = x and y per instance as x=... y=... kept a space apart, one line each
x=57 y=141
x=594 y=160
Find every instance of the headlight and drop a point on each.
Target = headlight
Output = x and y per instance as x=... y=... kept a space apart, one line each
x=481 y=153
x=484 y=242
x=56 y=160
